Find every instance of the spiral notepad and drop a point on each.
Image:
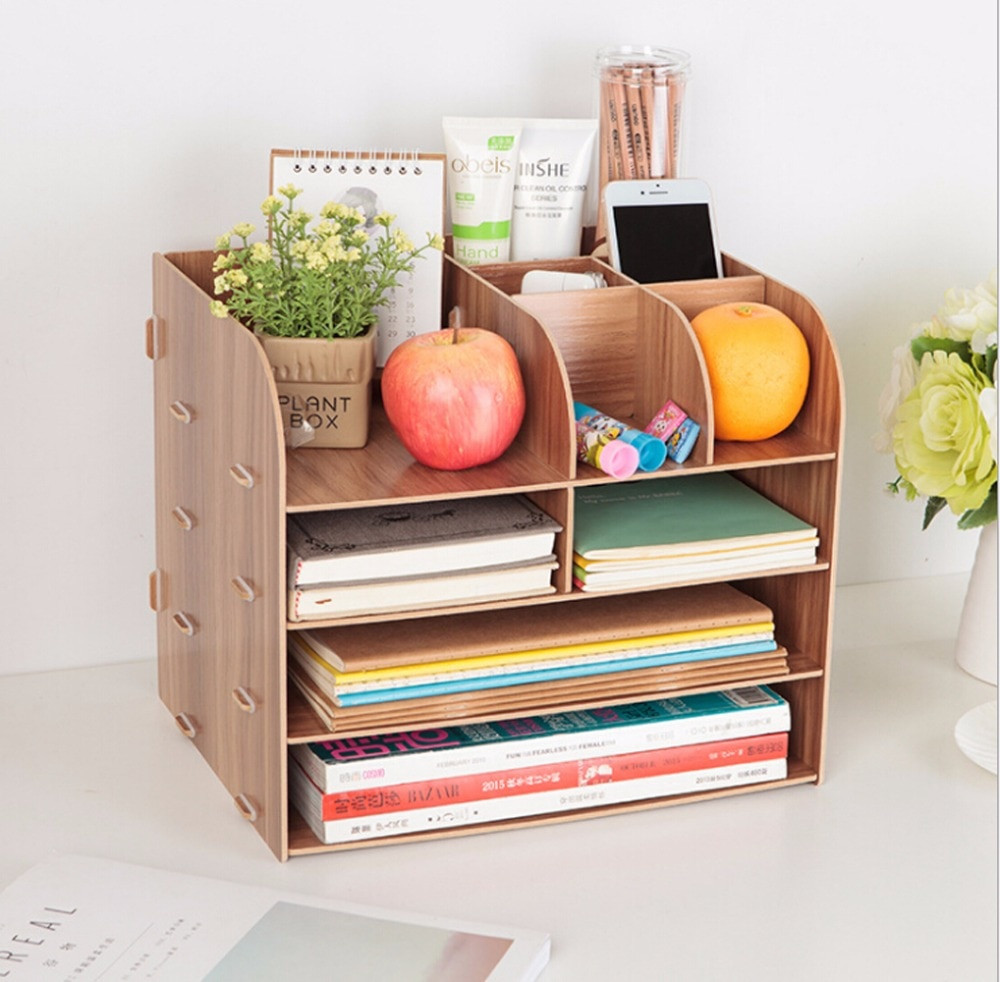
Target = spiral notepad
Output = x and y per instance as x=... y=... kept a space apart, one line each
x=410 y=185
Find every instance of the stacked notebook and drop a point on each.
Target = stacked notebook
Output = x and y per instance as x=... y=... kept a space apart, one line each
x=419 y=554
x=705 y=526
x=482 y=665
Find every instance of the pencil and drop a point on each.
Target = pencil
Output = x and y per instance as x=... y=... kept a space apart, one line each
x=636 y=129
x=646 y=104
x=676 y=100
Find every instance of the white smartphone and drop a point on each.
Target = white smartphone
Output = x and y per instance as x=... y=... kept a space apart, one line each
x=662 y=230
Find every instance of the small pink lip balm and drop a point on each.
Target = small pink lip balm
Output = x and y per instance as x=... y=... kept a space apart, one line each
x=616 y=458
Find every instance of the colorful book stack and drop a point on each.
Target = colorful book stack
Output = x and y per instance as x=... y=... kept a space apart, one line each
x=418 y=554
x=425 y=780
x=475 y=666
x=696 y=528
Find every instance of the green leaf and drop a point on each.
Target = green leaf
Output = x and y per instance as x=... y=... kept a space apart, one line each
x=983 y=515
x=989 y=361
x=934 y=505
x=920 y=346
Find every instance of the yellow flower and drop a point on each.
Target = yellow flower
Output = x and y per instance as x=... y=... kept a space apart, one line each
x=271 y=205
x=436 y=241
x=222 y=242
x=218 y=309
x=354 y=216
x=222 y=261
x=401 y=240
x=260 y=252
x=299 y=218
x=300 y=248
x=290 y=191
x=941 y=438
x=237 y=278
x=243 y=229
x=384 y=218
x=333 y=248
x=315 y=260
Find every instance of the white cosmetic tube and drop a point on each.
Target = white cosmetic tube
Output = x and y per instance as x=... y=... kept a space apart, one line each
x=555 y=167
x=482 y=161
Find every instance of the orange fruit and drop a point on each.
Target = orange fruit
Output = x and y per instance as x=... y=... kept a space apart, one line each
x=758 y=368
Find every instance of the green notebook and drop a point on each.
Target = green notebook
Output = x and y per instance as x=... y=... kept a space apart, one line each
x=690 y=515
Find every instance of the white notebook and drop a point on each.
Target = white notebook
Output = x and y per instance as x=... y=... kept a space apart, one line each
x=411 y=186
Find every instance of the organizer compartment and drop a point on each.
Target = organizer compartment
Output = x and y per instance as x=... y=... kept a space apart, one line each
x=817 y=430
x=508 y=276
x=626 y=352
x=225 y=486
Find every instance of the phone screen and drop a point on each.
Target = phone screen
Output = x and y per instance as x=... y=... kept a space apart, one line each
x=659 y=243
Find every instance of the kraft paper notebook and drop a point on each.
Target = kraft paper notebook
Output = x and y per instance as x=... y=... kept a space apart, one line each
x=357 y=647
x=409 y=185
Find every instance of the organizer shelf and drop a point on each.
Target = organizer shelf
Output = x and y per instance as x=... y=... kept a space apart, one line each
x=225 y=485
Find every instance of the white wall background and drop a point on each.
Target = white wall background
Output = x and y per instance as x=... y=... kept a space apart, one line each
x=851 y=147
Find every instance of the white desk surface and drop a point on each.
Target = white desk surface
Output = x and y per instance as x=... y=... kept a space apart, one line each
x=886 y=871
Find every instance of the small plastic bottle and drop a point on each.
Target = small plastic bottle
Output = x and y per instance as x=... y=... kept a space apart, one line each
x=615 y=457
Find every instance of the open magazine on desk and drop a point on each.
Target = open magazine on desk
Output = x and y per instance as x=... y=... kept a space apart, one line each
x=74 y=917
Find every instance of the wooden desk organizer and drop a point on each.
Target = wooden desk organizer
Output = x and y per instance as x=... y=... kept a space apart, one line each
x=225 y=484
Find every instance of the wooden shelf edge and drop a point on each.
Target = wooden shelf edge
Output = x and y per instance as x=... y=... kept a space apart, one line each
x=302 y=841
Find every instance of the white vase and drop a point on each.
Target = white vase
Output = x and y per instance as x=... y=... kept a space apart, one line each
x=976 y=647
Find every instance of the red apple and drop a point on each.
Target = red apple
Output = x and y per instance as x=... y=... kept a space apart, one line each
x=455 y=398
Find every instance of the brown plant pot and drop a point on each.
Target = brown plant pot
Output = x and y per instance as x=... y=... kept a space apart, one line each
x=324 y=388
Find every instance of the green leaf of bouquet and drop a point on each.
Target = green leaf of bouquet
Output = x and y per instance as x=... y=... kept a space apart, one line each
x=922 y=345
x=934 y=505
x=983 y=515
x=989 y=361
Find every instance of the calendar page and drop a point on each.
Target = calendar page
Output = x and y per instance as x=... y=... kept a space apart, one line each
x=409 y=185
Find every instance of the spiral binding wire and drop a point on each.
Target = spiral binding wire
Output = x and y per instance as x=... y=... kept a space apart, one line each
x=347 y=162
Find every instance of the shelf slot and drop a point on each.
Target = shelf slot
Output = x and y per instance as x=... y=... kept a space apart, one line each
x=182 y=412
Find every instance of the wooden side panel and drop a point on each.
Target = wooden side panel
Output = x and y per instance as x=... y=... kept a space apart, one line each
x=694 y=296
x=670 y=365
x=546 y=430
x=595 y=332
x=226 y=575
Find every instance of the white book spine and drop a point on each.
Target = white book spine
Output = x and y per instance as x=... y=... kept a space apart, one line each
x=380 y=772
x=519 y=806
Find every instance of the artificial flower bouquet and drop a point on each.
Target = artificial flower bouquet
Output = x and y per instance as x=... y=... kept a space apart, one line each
x=324 y=281
x=939 y=409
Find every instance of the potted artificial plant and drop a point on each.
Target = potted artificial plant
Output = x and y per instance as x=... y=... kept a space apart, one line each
x=310 y=294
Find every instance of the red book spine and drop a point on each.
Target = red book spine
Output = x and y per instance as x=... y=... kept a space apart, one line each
x=544 y=777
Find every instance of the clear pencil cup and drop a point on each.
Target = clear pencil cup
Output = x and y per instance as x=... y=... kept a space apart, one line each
x=640 y=107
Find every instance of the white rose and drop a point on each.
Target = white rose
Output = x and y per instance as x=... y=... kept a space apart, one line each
x=901 y=380
x=969 y=315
